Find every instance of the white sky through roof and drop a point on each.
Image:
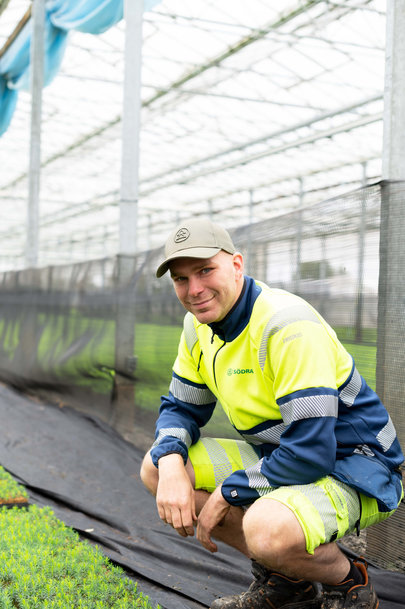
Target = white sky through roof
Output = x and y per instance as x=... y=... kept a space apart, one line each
x=243 y=102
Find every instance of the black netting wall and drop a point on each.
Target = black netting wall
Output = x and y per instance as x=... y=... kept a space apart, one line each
x=102 y=335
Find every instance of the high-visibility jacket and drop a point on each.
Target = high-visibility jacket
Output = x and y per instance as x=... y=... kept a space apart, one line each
x=291 y=389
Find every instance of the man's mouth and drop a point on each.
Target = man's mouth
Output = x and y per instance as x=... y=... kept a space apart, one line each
x=201 y=303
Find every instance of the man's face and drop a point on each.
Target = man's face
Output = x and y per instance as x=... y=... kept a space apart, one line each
x=208 y=287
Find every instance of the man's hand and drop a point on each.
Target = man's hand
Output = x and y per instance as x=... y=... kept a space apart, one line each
x=211 y=515
x=175 y=495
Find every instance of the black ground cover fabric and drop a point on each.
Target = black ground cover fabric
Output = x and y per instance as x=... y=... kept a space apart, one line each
x=89 y=475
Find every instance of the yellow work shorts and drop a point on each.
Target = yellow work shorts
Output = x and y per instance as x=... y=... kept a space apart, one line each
x=326 y=509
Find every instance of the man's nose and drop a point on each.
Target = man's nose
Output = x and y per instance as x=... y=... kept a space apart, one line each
x=194 y=286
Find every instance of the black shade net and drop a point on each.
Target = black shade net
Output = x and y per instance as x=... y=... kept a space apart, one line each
x=89 y=475
x=101 y=336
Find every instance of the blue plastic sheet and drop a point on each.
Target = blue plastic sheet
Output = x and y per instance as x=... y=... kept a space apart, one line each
x=89 y=16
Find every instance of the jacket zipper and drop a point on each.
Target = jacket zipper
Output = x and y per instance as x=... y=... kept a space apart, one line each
x=213 y=363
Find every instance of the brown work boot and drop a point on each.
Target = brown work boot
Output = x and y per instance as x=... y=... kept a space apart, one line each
x=350 y=595
x=272 y=591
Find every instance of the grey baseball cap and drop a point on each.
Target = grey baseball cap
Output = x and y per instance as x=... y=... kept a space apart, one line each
x=195 y=238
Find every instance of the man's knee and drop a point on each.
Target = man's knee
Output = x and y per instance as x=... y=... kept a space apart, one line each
x=272 y=532
x=149 y=474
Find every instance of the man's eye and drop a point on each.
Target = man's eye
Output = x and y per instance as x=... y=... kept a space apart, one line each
x=206 y=270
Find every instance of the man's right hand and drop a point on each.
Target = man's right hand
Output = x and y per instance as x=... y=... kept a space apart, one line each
x=175 y=495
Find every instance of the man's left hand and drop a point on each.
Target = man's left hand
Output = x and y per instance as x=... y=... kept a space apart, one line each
x=212 y=514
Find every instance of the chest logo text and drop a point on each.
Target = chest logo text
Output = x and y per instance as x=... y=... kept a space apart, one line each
x=231 y=371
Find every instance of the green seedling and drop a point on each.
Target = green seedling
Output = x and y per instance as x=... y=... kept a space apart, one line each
x=11 y=493
x=44 y=564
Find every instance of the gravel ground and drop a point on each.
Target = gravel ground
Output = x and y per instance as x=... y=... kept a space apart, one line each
x=356 y=543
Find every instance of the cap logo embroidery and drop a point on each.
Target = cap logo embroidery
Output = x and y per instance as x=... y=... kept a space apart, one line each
x=181 y=235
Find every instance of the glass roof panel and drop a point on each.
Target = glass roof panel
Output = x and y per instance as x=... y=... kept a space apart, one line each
x=245 y=106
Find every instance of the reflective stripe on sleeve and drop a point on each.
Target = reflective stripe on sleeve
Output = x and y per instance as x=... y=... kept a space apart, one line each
x=309 y=407
x=271 y=435
x=387 y=435
x=349 y=393
x=190 y=393
x=177 y=432
x=257 y=480
x=280 y=320
x=190 y=333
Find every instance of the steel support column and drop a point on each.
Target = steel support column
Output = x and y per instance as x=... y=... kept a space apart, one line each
x=391 y=289
x=123 y=415
x=34 y=172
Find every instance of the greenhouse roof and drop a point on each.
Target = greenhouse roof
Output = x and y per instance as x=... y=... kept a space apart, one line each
x=249 y=109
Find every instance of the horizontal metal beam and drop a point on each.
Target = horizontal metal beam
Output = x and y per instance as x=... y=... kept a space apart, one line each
x=265 y=138
x=326 y=133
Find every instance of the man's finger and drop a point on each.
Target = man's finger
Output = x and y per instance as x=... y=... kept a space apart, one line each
x=205 y=539
x=209 y=544
x=161 y=512
x=182 y=522
x=189 y=530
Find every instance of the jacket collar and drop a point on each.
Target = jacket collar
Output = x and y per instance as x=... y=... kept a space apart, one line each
x=238 y=317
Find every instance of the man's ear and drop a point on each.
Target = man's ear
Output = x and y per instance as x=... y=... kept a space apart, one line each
x=238 y=264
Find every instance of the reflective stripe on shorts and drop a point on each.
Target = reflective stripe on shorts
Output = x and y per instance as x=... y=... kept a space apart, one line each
x=215 y=459
x=326 y=510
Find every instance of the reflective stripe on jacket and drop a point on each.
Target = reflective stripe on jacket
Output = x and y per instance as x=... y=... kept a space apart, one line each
x=291 y=389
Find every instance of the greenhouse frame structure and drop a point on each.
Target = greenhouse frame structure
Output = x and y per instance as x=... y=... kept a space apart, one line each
x=322 y=125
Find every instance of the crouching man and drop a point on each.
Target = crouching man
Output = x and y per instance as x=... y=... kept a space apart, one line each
x=318 y=456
